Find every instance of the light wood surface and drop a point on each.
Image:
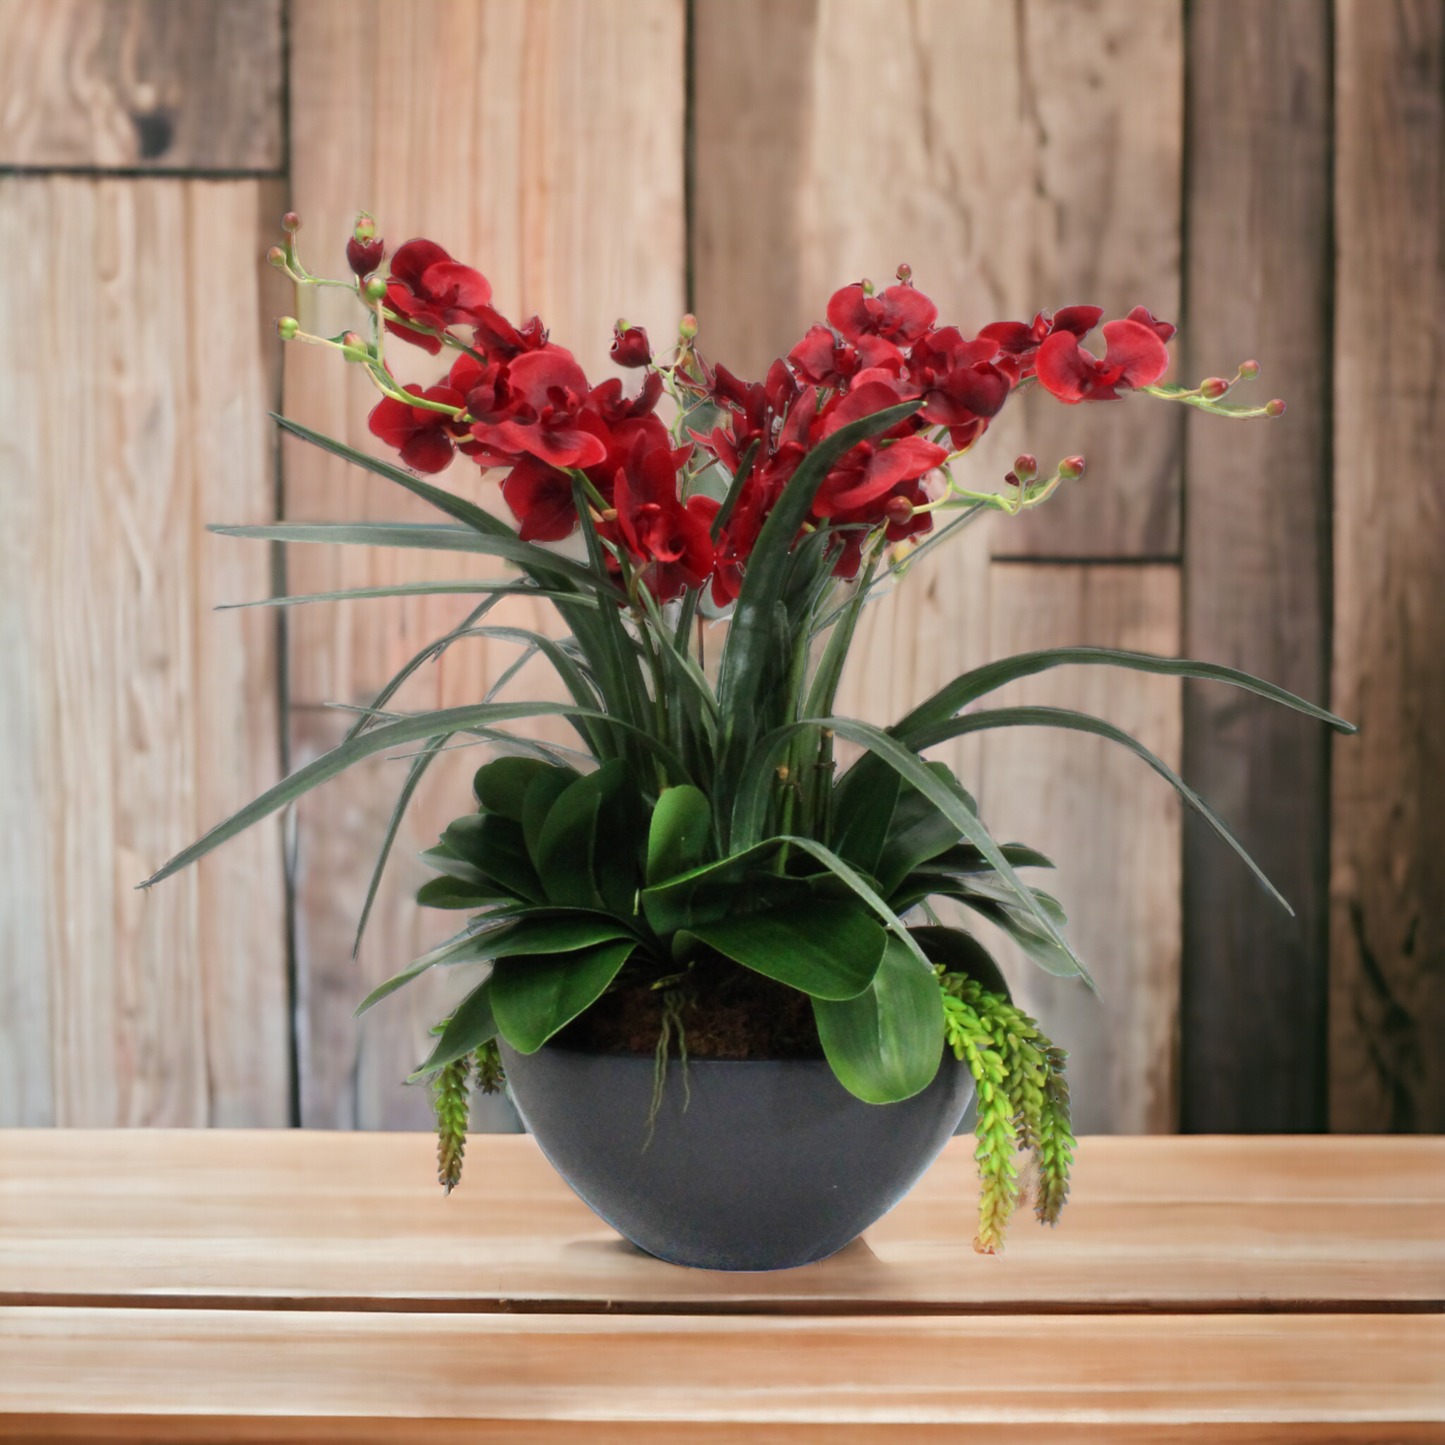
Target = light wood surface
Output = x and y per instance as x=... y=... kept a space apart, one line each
x=541 y=143
x=1257 y=560
x=161 y=85
x=310 y=1219
x=1387 y=921
x=288 y=1285
x=132 y=717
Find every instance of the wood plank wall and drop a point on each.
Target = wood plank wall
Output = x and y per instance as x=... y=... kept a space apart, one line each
x=1268 y=174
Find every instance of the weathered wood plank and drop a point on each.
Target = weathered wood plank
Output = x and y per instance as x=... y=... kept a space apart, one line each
x=332 y=1220
x=1111 y=826
x=1387 y=911
x=160 y=85
x=1257 y=563
x=542 y=143
x=132 y=405
x=1286 y=1378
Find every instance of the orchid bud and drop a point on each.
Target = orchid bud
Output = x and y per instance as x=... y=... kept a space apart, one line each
x=898 y=510
x=353 y=347
x=1274 y=408
x=687 y=327
x=276 y=256
x=905 y=273
x=1213 y=387
x=291 y=223
x=1071 y=468
x=1248 y=370
x=1011 y=479
x=365 y=228
x=364 y=256
x=375 y=289
x=629 y=345
x=1026 y=467
x=287 y=327
x=867 y=286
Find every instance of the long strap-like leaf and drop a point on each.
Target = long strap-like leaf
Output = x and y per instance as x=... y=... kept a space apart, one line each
x=389 y=735
x=981 y=680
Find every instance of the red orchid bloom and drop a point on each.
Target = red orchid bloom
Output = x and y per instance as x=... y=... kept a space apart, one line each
x=1135 y=357
x=548 y=390
x=899 y=314
x=629 y=346
x=425 y=438
x=670 y=539
x=540 y=497
x=432 y=291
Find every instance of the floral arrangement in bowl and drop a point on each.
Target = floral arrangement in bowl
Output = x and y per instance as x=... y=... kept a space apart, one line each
x=697 y=877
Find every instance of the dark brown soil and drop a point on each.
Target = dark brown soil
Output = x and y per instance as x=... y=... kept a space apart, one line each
x=727 y=1012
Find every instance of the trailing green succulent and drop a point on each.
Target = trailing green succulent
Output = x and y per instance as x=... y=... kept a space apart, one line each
x=701 y=820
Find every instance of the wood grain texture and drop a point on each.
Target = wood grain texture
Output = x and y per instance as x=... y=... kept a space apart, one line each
x=855 y=1376
x=1111 y=826
x=1387 y=914
x=542 y=143
x=131 y=411
x=332 y=1221
x=163 y=85
x=1257 y=560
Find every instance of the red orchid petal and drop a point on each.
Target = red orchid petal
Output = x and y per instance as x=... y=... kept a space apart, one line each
x=1078 y=320
x=1162 y=329
x=1136 y=351
x=541 y=499
x=812 y=357
x=454 y=287
x=411 y=260
x=1011 y=336
x=905 y=314
x=968 y=392
x=902 y=462
x=429 y=450
x=392 y=421
x=536 y=373
x=864 y=400
x=446 y=395
x=848 y=312
x=1064 y=369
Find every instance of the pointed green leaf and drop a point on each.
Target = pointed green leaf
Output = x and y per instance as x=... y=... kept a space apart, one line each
x=496 y=846
x=471 y=1026
x=679 y=835
x=501 y=785
x=830 y=949
x=445 y=860
x=453 y=893
x=537 y=803
x=538 y=931
x=533 y=997
x=918 y=831
x=885 y=1044
x=862 y=811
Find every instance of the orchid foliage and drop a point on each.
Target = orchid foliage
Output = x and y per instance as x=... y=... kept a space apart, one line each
x=702 y=821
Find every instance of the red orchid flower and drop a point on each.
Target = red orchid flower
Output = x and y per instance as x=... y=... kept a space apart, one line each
x=546 y=421
x=540 y=497
x=671 y=540
x=899 y=314
x=1135 y=357
x=425 y=438
x=432 y=291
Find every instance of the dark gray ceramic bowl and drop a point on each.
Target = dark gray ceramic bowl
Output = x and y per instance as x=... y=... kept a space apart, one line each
x=770 y=1165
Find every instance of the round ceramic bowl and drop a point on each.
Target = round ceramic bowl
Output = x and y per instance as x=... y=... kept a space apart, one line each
x=752 y=1165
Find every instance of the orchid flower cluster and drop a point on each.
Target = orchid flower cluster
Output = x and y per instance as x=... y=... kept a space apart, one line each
x=701 y=831
x=514 y=400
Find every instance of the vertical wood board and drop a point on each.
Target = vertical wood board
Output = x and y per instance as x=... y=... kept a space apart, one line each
x=1110 y=825
x=1387 y=907
x=165 y=85
x=131 y=406
x=542 y=144
x=1257 y=560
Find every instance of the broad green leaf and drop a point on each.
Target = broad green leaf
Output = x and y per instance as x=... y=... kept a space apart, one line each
x=537 y=802
x=885 y=1044
x=443 y=954
x=988 y=885
x=863 y=806
x=965 y=858
x=703 y=894
x=533 y=997
x=960 y=952
x=678 y=838
x=471 y=1026
x=496 y=846
x=541 y=931
x=568 y=841
x=446 y=860
x=827 y=948
x=918 y=831
x=501 y=785
x=449 y=892
x=973 y=685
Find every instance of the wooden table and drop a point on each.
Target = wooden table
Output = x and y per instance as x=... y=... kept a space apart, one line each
x=240 y=1286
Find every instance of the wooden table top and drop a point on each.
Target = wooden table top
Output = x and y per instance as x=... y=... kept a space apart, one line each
x=234 y=1285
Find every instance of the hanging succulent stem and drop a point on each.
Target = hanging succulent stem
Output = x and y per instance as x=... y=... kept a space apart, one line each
x=452 y=1105
x=1023 y=1103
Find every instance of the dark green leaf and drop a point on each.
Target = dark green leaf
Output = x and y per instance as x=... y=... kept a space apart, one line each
x=885 y=1044
x=496 y=846
x=827 y=948
x=501 y=786
x=960 y=952
x=678 y=838
x=445 y=860
x=917 y=830
x=471 y=1026
x=541 y=931
x=862 y=811
x=453 y=893
x=418 y=589
x=1025 y=932
x=537 y=803
x=535 y=996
